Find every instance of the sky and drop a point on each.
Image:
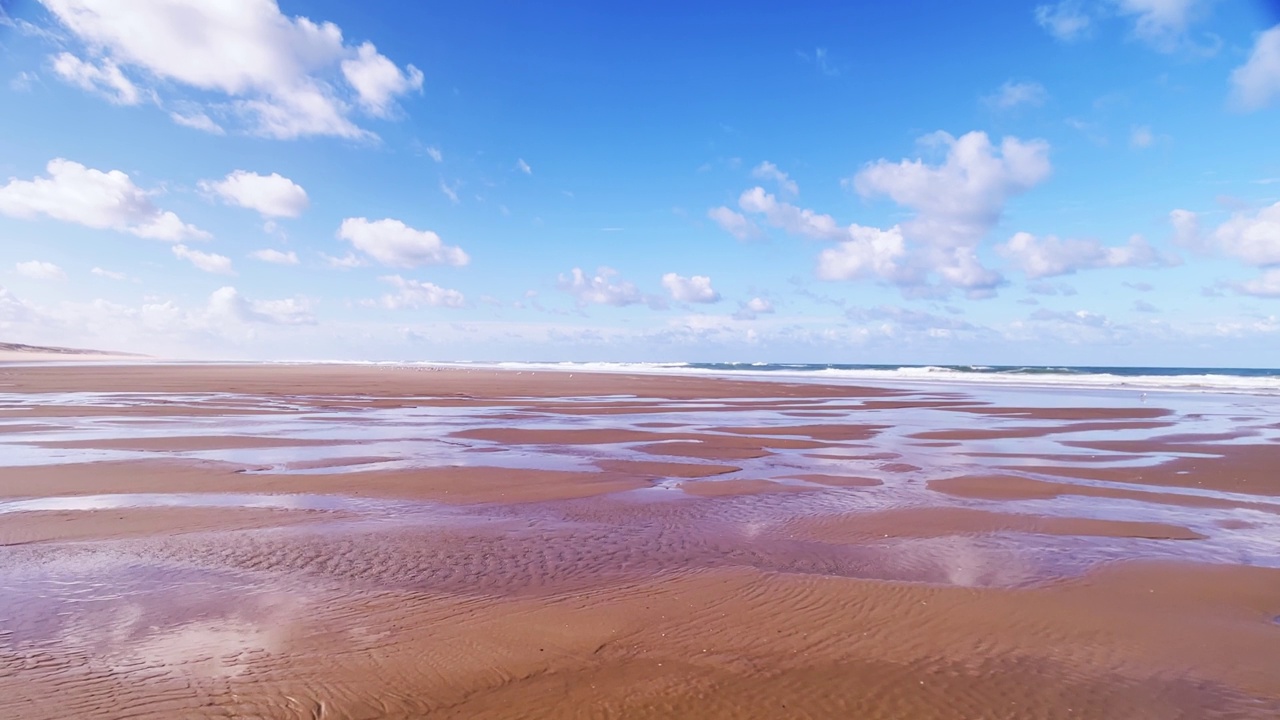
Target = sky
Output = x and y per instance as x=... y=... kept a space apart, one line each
x=1081 y=182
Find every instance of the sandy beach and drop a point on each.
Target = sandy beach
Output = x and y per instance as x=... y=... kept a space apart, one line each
x=344 y=541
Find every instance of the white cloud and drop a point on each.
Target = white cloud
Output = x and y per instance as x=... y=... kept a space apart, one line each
x=74 y=193
x=960 y=200
x=1013 y=94
x=105 y=79
x=272 y=255
x=414 y=294
x=696 y=289
x=735 y=223
x=346 y=262
x=450 y=191
x=869 y=252
x=523 y=167
x=395 y=244
x=40 y=270
x=208 y=262
x=752 y=308
x=288 y=76
x=1252 y=237
x=109 y=274
x=1161 y=23
x=228 y=304
x=1050 y=256
x=600 y=289
x=957 y=203
x=198 y=120
x=272 y=195
x=1257 y=82
x=768 y=171
x=1066 y=20
x=1266 y=285
x=378 y=81
x=434 y=153
x=788 y=217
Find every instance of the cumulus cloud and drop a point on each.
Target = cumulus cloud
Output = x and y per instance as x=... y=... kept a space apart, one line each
x=1252 y=237
x=696 y=289
x=1014 y=94
x=962 y=198
x=415 y=294
x=226 y=303
x=752 y=308
x=208 y=262
x=1257 y=82
x=735 y=223
x=603 y=288
x=395 y=244
x=1066 y=20
x=860 y=251
x=74 y=193
x=40 y=270
x=956 y=203
x=287 y=76
x=768 y=171
x=1050 y=256
x=790 y=218
x=868 y=252
x=104 y=78
x=378 y=81
x=1248 y=236
x=271 y=195
x=271 y=255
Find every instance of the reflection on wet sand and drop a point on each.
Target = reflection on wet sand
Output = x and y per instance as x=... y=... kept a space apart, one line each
x=190 y=542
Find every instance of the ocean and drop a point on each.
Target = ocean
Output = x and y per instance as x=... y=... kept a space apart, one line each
x=1146 y=379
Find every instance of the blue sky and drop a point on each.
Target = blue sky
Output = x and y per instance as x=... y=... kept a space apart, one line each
x=1073 y=182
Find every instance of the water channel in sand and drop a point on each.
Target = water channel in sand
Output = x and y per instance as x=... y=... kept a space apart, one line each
x=270 y=509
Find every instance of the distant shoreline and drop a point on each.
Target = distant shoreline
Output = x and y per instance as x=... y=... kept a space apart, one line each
x=20 y=353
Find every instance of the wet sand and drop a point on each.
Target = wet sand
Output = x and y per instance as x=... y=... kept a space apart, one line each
x=360 y=542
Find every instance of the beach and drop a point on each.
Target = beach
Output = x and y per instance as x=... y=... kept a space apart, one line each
x=365 y=541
